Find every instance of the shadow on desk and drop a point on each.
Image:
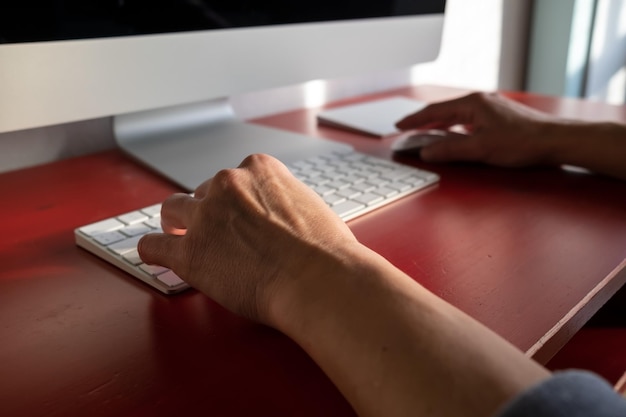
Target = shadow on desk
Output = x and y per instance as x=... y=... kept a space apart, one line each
x=219 y=364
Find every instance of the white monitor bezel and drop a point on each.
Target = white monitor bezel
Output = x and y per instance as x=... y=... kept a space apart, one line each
x=49 y=83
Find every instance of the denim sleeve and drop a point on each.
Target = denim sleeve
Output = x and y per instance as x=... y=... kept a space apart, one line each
x=567 y=394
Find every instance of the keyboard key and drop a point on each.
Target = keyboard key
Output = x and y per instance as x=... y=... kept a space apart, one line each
x=102 y=226
x=153 y=269
x=347 y=208
x=377 y=182
x=125 y=245
x=385 y=191
x=338 y=184
x=107 y=238
x=369 y=198
x=399 y=186
x=152 y=211
x=413 y=180
x=396 y=175
x=136 y=229
x=170 y=279
x=132 y=257
x=317 y=181
x=133 y=217
x=154 y=223
x=363 y=187
x=333 y=199
x=324 y=190
x=349 y=193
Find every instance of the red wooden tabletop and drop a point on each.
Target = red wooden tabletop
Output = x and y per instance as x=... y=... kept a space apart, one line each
x=532 y=253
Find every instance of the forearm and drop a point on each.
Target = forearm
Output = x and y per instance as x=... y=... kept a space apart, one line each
x=599 y=147
x=395 y=349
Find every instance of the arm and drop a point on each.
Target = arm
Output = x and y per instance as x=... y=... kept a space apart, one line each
x=265 y=246
x=505 y=133
x=393 y=348
x=599 y=147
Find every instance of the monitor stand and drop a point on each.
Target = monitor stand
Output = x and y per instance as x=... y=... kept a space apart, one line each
x=190 y=143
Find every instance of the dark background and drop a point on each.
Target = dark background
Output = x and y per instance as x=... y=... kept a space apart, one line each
x=41 y=20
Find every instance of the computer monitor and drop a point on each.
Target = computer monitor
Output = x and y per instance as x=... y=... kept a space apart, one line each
x=166 y=68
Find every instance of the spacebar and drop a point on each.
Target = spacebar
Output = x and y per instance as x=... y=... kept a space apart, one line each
x=347 y=208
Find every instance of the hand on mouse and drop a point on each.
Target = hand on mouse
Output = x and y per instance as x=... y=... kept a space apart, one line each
x=500 y=131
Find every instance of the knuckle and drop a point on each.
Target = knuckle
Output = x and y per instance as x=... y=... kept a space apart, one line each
x=226 y=177
x=232 y=183
x=256 y=160
x=478 y=97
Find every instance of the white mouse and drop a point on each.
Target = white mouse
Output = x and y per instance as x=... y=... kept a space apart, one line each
x=412 y=142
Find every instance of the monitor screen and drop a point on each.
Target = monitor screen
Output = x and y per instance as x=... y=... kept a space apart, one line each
x=43 y=20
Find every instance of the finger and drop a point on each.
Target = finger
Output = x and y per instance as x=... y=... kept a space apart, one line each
x=176 y=213
x=441 y=115
x=466 y=149
x=160 y=249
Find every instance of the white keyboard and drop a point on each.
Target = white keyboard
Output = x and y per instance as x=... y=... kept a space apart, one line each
x=352 y=184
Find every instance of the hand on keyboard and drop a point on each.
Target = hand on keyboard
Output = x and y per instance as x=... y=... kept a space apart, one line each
x=351 y=184
x=252 y=220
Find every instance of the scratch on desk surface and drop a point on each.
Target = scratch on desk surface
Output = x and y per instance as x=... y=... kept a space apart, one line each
x=102 y=386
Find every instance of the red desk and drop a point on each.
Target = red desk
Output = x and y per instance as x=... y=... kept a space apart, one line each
x=531 y=253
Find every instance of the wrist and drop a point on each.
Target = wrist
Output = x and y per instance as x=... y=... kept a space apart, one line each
x=558 y=137
x=585 y=144
x=318 y=287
